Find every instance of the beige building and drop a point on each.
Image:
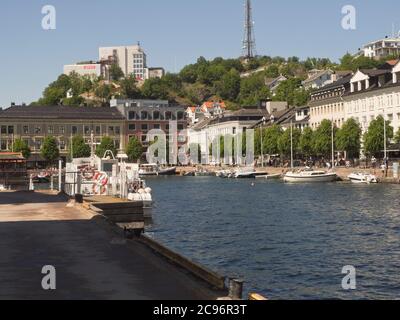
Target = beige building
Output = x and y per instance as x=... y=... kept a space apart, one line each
x=131 y=59
x=34 y=123
x=90 y=69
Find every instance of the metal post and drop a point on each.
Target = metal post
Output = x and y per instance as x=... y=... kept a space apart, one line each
x=52 y=182
x=291 y=145
x=59 y=175
x=236 y=289
x=333 y=146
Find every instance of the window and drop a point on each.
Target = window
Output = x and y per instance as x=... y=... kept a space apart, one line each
x=3 y=129
x=98 y=130
x=74 y=130
x=145 y=127
x=50 y=130
x=143 y=115
x=144 y=138
x=27 y=142
x=10 y=129
x=132 y=127
x=110 y=130
x=180 y=116
x=156 y=115
x=116 y=144
x=132 y=115
x=168 y=115
x=38 y=144
x=38 y=130
x=157 y=126
x=25 y=129
x=62 y=129
x=86 y=130
x=117 y=130
x=3 y=144
x=62 y=145
x=180 y=126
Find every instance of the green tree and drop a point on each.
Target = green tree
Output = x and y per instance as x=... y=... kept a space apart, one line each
x=306 y=143
x=21 y=146
x=129 y=89
x=348 y=138
x=290 y=91
x=103 y=92
x=285 y=142
x=270 y=139
x=116 y=72
x=106 y=143
x=155 y=88
x=397 y=137
x=134 y=150
x=374 y=141
x=323 y=139
x=79 y=148
x=50 y=149
x=229 y=87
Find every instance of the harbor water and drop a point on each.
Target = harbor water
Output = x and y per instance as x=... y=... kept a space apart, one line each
x=286 y=241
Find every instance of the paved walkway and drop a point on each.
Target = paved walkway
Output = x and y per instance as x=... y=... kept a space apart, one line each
x=91 y=260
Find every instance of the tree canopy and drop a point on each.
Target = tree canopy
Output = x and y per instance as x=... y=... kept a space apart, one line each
x=106 y=143
x=348 y=138
x=79 y=148
x=50 y=149
x=21 y=146
x=134 y=150
x=374 y=141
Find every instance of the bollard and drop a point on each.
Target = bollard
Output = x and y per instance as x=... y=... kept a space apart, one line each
x=52 y=182
x=236 y=289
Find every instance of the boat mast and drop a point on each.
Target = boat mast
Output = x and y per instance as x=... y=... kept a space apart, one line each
x=333 y=146
x=291 y=144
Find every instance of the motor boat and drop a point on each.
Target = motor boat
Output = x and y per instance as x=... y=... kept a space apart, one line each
x=156 y=170
x=245 y=173
x=365 y=178
x=223 y=173
x=309 y=176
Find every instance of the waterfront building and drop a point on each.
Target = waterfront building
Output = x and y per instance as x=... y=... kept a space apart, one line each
x=389 y=46
x=208 y=109
x=327 y=103
x=144 y=115
x=34 y=123
x=299 y=118
x=372 y=93
x=320 y=78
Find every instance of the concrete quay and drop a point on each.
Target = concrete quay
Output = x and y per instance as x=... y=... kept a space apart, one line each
x=92 y=258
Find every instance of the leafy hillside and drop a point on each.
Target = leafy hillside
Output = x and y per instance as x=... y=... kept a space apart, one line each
x=215 y=79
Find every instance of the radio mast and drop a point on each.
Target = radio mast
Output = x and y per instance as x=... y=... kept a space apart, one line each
x=249 y=41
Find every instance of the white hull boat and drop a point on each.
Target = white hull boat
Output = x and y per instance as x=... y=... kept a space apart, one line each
x=362 y=178
x=270 y=176
x=310 y=177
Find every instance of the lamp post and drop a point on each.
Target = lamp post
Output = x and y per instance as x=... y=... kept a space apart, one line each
x=262 y=142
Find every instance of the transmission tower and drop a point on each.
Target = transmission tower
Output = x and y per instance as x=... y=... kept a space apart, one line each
x=249 y=41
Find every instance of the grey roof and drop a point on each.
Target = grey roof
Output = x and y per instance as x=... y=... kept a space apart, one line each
x=61 y=112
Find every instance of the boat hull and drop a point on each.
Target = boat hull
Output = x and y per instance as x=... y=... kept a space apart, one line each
x=292 y=178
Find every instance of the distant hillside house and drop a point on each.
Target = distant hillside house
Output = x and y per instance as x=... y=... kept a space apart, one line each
x=273 y=83
x=382 y=48
x=320 y=78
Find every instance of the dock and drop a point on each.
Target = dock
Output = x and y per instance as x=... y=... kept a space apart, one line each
x=92 y=258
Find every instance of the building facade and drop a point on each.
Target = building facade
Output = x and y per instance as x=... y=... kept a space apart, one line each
x=382 y=48
x=33 y=124
x=144 y=115
x=372 y=93
x=131 y=59
x=90 y=69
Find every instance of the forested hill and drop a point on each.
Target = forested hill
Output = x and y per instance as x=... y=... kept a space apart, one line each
x=206 y=79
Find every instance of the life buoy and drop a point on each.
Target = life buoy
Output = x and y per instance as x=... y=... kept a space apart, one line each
x=104 y=181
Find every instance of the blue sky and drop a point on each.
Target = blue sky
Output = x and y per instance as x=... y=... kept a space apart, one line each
x=173 y=33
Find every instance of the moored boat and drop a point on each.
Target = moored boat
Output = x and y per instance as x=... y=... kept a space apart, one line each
x=269 y=176
x=362 y=178
x=309 y=176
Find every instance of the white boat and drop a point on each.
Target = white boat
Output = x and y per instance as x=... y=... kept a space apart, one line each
x=2 y=188
x=309 y=176
x=365 y=178
x=245 y=173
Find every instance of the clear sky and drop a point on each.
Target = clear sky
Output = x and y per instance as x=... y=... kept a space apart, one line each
x=173 y=33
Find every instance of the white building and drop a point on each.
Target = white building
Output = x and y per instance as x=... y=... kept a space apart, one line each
x=373 y=93
x=131 y=59
x=90 y=69
x=382 y=48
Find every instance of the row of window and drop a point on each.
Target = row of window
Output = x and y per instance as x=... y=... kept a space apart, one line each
x=327 y=109
x=156 y=115
x=51 y=129
x=145 y=127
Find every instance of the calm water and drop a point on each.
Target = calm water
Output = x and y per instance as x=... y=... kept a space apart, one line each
x=286 y=241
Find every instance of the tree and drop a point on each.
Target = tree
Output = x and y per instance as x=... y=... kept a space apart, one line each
x=129 y=89
x=397 y=137
x=285 y=142
x=50 y=149
x=155 y=88
x=290 y=91
x=306 y=145
x=106 y=143
x=103 y=91
x=374 y=137
x=116 y=72
x=348 y=138
x=21 y=146
x=134 y=150
x=79 y=148
x=229 y=87
x=323 y=139
x=270 y=140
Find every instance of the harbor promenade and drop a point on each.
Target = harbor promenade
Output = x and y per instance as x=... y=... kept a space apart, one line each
x=92 y=259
